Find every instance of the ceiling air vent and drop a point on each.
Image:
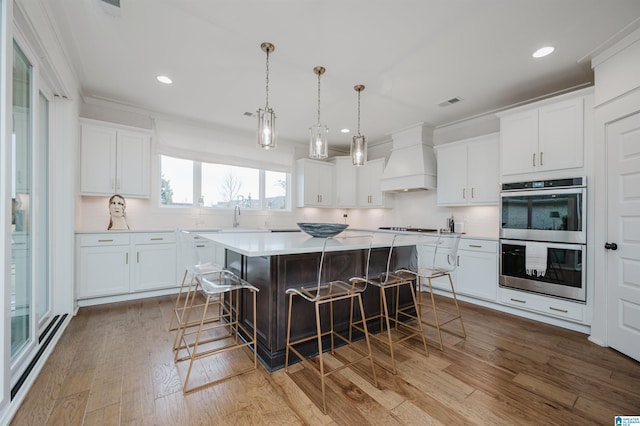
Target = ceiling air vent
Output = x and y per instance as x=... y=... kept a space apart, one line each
x=450 y=102
x=114 y=3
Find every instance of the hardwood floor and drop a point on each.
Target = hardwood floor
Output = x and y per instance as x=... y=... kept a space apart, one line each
x=114 y=365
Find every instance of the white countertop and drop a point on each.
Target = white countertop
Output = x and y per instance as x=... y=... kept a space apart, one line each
x=278 y=243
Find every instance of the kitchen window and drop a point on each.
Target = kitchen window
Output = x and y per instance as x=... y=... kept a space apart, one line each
x=190 y=183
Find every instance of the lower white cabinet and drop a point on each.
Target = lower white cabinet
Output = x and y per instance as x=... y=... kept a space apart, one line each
x=550 y=306
x=154 y=265
x=477 y=269
x=476 y=272
x=111 y=264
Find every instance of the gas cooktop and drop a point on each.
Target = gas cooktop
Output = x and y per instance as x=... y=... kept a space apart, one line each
x=406 y=229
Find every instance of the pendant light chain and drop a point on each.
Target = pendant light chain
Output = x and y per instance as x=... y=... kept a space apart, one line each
x=267 y=86
x=359 y=112
x=319 y=74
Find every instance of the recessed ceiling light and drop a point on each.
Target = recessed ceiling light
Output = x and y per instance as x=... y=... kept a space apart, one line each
x=164 y=79
x=345 y=130
x=543 y=51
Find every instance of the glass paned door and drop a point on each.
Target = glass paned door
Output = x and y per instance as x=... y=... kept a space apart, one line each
x=21 y=190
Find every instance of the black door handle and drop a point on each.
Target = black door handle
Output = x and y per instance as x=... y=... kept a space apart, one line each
x=611 y=246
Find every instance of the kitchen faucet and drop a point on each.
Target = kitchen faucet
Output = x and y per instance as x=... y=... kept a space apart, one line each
x=236 y=213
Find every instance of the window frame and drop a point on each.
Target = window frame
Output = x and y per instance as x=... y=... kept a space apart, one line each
x=197 y=187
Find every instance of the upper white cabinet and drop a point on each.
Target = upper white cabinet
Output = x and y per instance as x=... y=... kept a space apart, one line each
x=346 y=182
x=368 y=188
x=358 y=187
x=114 y=160
x=545 y=136
x=468 y=171
x=314 y=183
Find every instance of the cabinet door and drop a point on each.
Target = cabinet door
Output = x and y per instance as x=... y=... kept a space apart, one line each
x=477 y=274
x=98 y=160
x=452 y=175
x=345 y=182
x=483 y=174
x=315 y=183
x=155 y=266
x=133 y=151
x=324 y=178
x=519 y=142
x=103 y=271
x=368 y=189
x=561 y=138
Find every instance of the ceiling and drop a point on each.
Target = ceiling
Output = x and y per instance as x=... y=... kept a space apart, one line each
x=410 y=54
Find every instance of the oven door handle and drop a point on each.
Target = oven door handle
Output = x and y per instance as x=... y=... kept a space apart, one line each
x=569 y=246
x=533 y=192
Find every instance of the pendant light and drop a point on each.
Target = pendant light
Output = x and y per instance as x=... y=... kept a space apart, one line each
x=266 y=116
x=318 y=145
x=358 y=142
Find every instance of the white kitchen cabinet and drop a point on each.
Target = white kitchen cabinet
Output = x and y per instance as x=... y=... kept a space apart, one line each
x=368 y=187
x=547 y=135
x=468 y=172
x=358 y=187
x=477 y=269
x=111 y=264
x=154 y=265
x=314 y=183
x=549 y=306
x=114 y=160
x=103 y=265
x=346 y=182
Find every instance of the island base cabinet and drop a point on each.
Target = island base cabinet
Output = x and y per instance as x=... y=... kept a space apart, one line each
x=273 y=275
x=125 y=263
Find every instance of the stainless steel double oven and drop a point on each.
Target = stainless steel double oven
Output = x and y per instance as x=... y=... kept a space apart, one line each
x=547 y=219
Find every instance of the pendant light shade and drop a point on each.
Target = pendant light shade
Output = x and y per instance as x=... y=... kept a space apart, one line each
x=318 y=145
x=266 y=116
x=358 y=142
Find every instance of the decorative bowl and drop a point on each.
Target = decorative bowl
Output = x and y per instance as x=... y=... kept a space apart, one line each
x=322 y=230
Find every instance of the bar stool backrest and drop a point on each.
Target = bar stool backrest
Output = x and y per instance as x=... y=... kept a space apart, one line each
x=438 y=252
x=191 y=254
x=365 y=241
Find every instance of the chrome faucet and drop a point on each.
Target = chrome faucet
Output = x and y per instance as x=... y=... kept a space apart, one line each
x=236 y=213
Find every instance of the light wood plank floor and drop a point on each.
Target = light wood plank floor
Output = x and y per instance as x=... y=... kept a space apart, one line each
x=114 y=365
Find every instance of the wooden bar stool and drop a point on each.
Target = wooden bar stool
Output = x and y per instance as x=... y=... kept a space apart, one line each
x=328 y=292
x=207 y=339
x=406 y=321
x=437 y=257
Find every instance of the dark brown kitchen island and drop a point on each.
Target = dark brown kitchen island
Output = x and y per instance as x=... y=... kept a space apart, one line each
x=276 y=262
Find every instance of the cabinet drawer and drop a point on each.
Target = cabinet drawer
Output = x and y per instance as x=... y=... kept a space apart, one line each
x=478 y=245
x=91 y=240
x=544 y=305
x=155 y=238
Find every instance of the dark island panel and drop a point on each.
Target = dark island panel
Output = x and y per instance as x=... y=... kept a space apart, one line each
x=273 y=275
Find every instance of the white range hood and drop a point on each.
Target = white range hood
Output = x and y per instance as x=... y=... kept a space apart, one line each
x=412 y=164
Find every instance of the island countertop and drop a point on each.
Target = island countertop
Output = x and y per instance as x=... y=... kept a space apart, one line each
x=282 y=243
